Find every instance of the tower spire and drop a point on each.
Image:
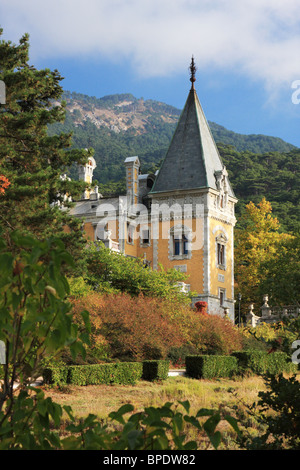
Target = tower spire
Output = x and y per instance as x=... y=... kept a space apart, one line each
x=193 y=69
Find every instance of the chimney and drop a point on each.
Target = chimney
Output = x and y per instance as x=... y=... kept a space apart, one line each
x=132 y=165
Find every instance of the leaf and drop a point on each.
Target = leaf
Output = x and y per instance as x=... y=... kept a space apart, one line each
x=6 y=262
x=205 y=412
x=133 y=438
x=118 y=415
x=186 y=405
x=211 y=423
x=215 y=439
x=233 y=422
x=192 y=420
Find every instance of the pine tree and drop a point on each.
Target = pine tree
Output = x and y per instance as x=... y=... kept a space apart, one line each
x=30 y=159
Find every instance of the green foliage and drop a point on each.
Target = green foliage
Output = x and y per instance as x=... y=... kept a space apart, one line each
x=258 y=248
x=254 y=143
x=209 y=367
x=56 y=375
x=283 y=274
x=257 y=164
x=94 y=374
x=36 y=426
x=31 y=422
x=112 y=272
x=272 y=174
x=35 y=324
x=278 y=336
x=262 y=362
x=177 y=355
x=30 y=159
x=278 y=413
x=155 y=370
x=33 y=305
x=79 y=287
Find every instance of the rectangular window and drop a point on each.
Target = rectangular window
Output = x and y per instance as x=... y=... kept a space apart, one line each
x=130 y=231
x=185 y=245
x=222 y=297
x=145 y=237
x=179 y=245
x=176 y=247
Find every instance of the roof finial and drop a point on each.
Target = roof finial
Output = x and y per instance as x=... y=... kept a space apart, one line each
x=193 y=69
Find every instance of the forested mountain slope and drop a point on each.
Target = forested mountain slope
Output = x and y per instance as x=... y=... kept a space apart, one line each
x=118 y=126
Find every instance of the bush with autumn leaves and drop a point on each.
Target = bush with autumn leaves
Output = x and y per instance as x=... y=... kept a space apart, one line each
x=126 y=327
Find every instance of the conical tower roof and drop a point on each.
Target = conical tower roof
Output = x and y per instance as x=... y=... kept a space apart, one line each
x=192 y=159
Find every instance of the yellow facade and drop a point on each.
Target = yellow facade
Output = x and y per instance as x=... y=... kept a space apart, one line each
x=192 y=174
x=216 y=229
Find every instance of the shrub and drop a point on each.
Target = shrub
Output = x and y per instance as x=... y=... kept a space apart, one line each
x=108 y=269
x=201 y=307
x=260 y=362
x=155 y=370
x=177 y=355
x=209 y=367
x=278 y=413
x=120 y=328
x=56 y=375
x=124 y=373
x=212 y=334
x=139 y=328
x=79 y=287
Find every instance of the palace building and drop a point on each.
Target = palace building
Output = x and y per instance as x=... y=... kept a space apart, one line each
x=182 y=217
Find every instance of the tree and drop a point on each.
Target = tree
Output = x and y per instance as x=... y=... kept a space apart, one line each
x=282 y=278
x=4 y=183
x=32 y=161
x=109 y=271
x=258 y=244
x=36 y=323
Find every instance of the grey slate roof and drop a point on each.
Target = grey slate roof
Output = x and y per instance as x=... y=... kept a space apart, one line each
x=192 y=157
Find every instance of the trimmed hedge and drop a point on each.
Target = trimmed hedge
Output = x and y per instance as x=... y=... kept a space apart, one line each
x=155 y=370
x=56 y=375
x=124 y=373
x=260 y=362
x=209 y=366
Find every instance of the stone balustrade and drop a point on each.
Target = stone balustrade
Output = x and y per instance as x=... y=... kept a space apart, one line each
x=271 y=315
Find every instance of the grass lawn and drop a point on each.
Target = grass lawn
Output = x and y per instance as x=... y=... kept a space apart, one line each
x=232 y=396
x=102 y=399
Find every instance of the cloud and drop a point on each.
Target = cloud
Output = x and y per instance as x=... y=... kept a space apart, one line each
x=259 y=39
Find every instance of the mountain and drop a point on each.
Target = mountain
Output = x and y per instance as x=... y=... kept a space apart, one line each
x=121 y=125
x=118 y=126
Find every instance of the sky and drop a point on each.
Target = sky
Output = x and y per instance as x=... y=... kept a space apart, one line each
x=247 y=54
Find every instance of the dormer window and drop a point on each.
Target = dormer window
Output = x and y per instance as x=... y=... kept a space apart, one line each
x=222 y=187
